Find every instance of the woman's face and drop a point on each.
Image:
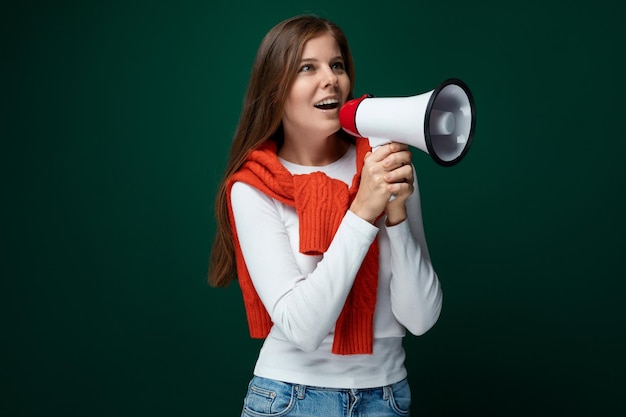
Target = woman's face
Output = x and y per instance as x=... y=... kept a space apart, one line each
x=320 y=88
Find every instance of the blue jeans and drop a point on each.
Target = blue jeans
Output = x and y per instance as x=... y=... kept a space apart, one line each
x=267 y=397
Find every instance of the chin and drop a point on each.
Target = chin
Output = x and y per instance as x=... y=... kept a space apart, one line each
x=332 y=129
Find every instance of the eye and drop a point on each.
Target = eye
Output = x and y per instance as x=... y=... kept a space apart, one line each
x=306 y=68
x=338 y=66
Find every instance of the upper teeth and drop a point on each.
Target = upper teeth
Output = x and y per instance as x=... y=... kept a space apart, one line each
x=327 y=101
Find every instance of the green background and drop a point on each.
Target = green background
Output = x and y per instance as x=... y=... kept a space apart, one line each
x=115 y=121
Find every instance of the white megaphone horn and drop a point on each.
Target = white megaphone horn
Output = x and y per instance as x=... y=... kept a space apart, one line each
x=440 y=122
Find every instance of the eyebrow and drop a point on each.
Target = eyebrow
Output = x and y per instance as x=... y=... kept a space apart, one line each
x=338 y=57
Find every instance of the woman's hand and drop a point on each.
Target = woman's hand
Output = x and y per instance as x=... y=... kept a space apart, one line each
x=400 y=178
x=386 y=172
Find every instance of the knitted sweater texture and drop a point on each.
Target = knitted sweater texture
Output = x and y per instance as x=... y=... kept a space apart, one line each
x=321 y=203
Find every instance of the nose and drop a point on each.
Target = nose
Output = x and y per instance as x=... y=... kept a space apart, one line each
x=329 y=78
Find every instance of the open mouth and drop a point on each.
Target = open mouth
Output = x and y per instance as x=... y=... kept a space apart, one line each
x=328 y=104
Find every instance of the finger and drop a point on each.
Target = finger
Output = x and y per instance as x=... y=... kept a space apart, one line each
x=381 y=152
x=389 y=148
x=401 y=174
x=397 y=147
x=396 y=160
x=400 y=189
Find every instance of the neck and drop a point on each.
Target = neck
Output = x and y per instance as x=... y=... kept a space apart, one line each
x=314 y=153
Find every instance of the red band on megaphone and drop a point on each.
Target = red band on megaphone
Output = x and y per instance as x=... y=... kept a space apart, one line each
x=347 y=115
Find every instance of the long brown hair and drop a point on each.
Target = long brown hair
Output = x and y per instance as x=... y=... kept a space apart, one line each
x=273 y=73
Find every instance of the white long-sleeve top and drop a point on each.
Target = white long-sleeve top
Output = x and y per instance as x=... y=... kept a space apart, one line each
x=304 y=294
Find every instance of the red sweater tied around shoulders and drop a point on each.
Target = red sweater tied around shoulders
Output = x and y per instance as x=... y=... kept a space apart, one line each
x=321 y=203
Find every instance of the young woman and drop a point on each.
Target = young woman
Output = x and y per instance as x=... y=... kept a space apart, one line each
x=331 y=267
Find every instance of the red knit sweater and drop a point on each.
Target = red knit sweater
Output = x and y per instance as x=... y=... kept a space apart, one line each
x=321 y=203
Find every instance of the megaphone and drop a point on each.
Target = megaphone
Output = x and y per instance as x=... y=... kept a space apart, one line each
x=440 y=122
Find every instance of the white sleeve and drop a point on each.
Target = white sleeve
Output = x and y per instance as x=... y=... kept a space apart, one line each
x=416 y=295
x=305 y=307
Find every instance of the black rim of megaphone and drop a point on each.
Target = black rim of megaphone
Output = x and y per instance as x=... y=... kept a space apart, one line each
x=431 y=101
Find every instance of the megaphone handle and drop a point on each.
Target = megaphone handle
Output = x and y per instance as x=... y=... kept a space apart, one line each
x=376 y=143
